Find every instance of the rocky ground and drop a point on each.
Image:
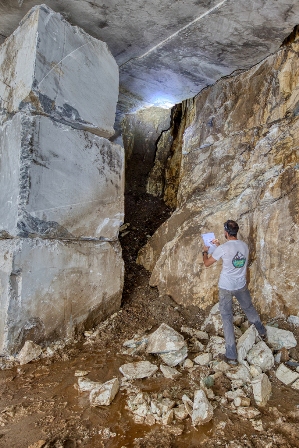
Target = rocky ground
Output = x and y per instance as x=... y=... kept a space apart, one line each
x=43 y=405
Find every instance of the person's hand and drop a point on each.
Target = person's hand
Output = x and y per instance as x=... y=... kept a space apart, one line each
x=205 y=249
x=215 y=242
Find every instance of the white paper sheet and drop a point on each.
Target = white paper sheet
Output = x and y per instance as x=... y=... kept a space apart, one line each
x=207 y=239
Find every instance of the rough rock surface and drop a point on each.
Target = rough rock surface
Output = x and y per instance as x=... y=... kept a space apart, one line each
x=141 y=369
x=285 y=375
x=51 y=287
x=104 y=394
x=59 y=182
x=261 y=356
x=47 y=67
x=202 y=409
x=165 y=339
x=29 y=351
x=261 y=388
x=239 y=161
x=278 y=338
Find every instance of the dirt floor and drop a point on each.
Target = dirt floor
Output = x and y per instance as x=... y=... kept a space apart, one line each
x=41 y=407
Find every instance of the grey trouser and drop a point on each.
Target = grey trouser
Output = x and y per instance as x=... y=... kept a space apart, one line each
x=226 y=311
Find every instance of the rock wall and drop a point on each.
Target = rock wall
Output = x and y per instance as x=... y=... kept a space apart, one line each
x=240 y=160
x=62 y=200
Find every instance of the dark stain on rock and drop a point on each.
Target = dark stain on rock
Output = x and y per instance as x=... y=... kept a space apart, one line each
x=32 y=227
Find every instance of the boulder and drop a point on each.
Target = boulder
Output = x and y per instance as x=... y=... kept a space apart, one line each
x=203 y=359
x=262 y=388
x=261 y=356
x=246 y=342
x=47 y=193
x=279 y=338
x=104 y=395
x=86 y=385
x=29 y=352
x=175 y=357
x=164 y=340
x=60 y=286
x=135 y=370
x=52 y=66
x=285 y=375
x=169 y=372
x=202 y=409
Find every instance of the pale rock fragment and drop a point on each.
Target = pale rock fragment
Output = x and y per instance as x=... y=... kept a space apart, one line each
x=188 y=403
x=255 y=371
x=199 y=334
x=150 y=420
x=221 y=366
x=260 y=355
x=216 y=346
x=238 y=319
x=81 y=372
x=135 y=342
x=203 y=359
x=164 y=340
x=169 y=372
x=209 y=319
x=295 y=385
x=174 y=358
x=258 y=426
x=231 y=395
x=29 y=352
x=242 y=401
x=246 y=342
x=248 y=412
x=279 y=338
x=285 y=375
x=142 y=410
x=86 y=385
x=167 y=418
x=180 y=413
x=239 y=373
x=294 y=320
x=188 y=364
x=104 y=395
x=140 y=369
x=202 y=409
x=262 y=388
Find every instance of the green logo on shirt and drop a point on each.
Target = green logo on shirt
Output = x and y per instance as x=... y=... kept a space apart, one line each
x=239 y=260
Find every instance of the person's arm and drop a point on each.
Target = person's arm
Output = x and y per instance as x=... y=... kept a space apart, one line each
x=208 y=261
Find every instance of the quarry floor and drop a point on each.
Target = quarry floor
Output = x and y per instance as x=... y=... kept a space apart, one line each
x=41 y=408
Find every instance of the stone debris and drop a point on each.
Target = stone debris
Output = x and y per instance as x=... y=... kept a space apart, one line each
x=188 y=364
x=278 y=338
x=135 y=342
x=242 y=401
x=199 y=334
x=169 y=372
x=203 y=359
x=174 y=358
x=86 y=385
x=239 y=373
x=29 y=352
x=188 y=403
x=81 y=372
x=260 y=355
x=262 y=388
x=164 y=340
x=286 y=375
x=246 y=342
x=221 y=366
x=295 y=385
x=104 y=394
x=106 y=433
x=141 y=369
x=294 y=320
x=255 y=371
x=216 y=346
x=202 y=409
x=248 y=412
x=231 y=395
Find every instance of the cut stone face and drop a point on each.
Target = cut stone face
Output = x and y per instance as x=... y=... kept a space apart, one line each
x=49 y=288
x=58 y=182
x=48 y=66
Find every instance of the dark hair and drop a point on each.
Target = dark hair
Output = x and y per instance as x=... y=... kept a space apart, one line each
x=231 y=227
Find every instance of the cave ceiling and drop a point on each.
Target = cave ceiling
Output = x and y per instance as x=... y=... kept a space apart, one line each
x=168 y=51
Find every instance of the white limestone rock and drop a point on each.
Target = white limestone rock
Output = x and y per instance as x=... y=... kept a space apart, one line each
x=260 y=355
x=86 y=385
x=262 y=388
x=285 y=375
x=59 y=182
x=140 y=369
x=221 y=366
x=174 y=358
x=180 y=413
x=48 y=66
x=169 y=372
x=279 y=338
x=203 y=359
x=255 y=371
x=199 y=334
x=246 y=342
x=202 y=409
x=58 y=286
x=165 y=339
x=188 y=364
x=239 y=373
x=242 y=401
x=295 y=385
x=216 y=346
x=29 y=352
x=248 y=412
x=294 y=320
x=231 y=395
x=104 y=395
x=188 y=403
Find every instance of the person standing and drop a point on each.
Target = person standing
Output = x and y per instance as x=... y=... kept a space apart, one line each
x=232 y=282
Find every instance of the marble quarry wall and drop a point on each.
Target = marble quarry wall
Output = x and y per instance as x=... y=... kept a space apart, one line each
x=61 y=181
x=239 y=160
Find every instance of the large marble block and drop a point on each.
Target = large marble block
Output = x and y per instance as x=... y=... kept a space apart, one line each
x=49 y=67
x=58 y=182
x=50 y=288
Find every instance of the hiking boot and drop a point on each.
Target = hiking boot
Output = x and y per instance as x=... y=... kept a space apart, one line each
x=231 y=362
x=264 y=337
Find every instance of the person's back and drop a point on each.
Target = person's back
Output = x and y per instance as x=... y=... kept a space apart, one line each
x=234 y=254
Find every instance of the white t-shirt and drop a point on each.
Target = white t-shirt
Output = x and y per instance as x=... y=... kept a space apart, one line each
x=234 y=254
